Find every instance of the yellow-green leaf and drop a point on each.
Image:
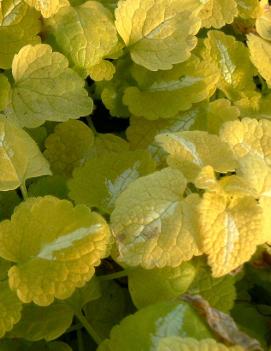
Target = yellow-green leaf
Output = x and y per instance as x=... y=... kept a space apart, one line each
x=45 y=88
x=158 y=34
x=217 y=13
x=191 y=151
x=96 y=36
x=19 y=26
x=230 y=229
x=54 y=247
x=49 y=7
x=152 y=223
x=20 y=157
x=68 y=147
x=5 y=91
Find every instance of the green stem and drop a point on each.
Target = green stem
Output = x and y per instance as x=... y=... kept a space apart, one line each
x=115 y=275
x=74 y=328
x=80 y=341
x=24 y=191
x=88 y=327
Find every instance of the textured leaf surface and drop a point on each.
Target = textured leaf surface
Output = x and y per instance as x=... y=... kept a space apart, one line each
x=54 y=246
x=163 y=94
x=248 y=136
x=191 y=151
x=158 y=34
x=19 y=26
x=20 y=157
x=68 y=147
x=45 y=88
x=153 y=225
x=4 y=92
x=232 y=58
x=102 y=179
x=49 y=7
x=217 y=13
x=152 y=324
x=85 y=34
x=260 y=53
x=231 y=229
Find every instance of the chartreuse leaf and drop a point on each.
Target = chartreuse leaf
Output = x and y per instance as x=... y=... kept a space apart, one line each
x=248 y=8
x=189 y=151
x=54 y=247
x=49 y=7
x=10 y=308
x=153 y=323
x=217 y=13
x=112 y=306
x=96 y=36
x=148 y=286
x=248 y=136
x=20 y=157
x=19 y=26
x=231 y=229
x=39 y=323
x=152 y=223
x=45 y=88
x=107 y=143
x=68 y=147
x=214 y=114
x=263 y=23
x=163 y=94
x=232 y=59
x=101 y=180
x=175 y=343
x=5 y=91
x=219 y=292
x=158 y=34
x=260 y=53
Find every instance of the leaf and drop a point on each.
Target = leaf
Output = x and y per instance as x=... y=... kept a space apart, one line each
x=222 y=325
x=19 y=26
x=68 y=147
x=263 y=23
x=216 y=113
x=104 y=70
x=152 y=324
x=102 y=179
x=231 y=229
x=107 y=143
x=112 y=306
x=93 y=27
x=20 y=157
x=248 y=8
x=232 y=59
x=153 y=225
x=56 y=318
x=260 y=53
x=217 y=13
x=219 y=292
x=49 y=185
x=190 y=151
x=4 y=91
x=45 y=88
x=158 y=34
x=163 y=94
x=149 y=286
x=10 y=309
x=174 y=343
x=54 y=247
x=49 y=7
x=248 y=136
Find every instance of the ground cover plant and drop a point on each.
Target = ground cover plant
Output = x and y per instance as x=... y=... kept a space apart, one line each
x=135 y=175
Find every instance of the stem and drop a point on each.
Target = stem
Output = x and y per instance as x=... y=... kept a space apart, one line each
x=24 y=191
x=88 y=327
x=74 y=328
x=115 y=275
x=80 y=340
